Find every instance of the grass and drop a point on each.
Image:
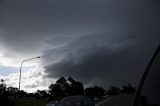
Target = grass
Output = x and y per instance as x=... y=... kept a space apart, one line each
x=31 y=102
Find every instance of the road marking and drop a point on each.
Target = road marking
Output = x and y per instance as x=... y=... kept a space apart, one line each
x=104 y=101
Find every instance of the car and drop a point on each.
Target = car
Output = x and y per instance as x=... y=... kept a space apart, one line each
x=96 y=99
x=148 y=91
x=52 y=103
x=75 y=101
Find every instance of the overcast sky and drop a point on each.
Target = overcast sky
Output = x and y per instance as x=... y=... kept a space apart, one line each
x=98 y=42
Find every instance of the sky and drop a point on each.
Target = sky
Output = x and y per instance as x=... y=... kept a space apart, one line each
x=99 y=42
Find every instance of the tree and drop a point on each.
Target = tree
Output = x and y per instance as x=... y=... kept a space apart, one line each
x=56 y=91
x=89 y=92
x=12 y=93
x=22 y=93
x=7 y=95
x=42 y=93
x=95 y=91
x=128 y=89
x=76 y=87
x=113 y=90
x=64 y=87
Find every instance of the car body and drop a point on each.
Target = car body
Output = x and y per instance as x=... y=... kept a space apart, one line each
x=75 y=101
x=95 y=99
x=52 y=103
x=148 y=91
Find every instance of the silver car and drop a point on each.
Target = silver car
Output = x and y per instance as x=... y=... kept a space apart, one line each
x=75 y=101
x=53 y=103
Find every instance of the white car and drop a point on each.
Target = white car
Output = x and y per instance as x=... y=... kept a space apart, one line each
x=53 y=103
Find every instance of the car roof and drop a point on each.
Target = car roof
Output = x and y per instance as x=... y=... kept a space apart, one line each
x=53 y=102
x=78 y=96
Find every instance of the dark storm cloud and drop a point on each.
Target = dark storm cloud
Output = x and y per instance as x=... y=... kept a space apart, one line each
x=94 y=41
x=115 y=57
x=94 y=59
x=26 y=26
x=28 y=23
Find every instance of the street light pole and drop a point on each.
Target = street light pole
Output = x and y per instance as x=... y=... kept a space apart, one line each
x=21 y=70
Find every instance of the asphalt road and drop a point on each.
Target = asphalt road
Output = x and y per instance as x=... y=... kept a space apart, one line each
x=120 y=100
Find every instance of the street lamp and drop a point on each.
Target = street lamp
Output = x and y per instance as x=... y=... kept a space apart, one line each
x=21 y=69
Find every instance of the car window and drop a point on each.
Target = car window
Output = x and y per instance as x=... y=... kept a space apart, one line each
x=150 y=94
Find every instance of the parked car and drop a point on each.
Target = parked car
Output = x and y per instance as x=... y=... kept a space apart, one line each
x=148 y=92
x=96 y=99
x=52 y=103
x=75 y=101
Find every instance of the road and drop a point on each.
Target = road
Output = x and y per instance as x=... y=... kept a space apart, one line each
x=120 y=100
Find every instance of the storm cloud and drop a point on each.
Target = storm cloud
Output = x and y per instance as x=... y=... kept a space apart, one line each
x=104 y=42
x=116 y=56
x=94 y=59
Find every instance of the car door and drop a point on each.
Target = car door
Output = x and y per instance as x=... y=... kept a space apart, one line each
x=148 y=93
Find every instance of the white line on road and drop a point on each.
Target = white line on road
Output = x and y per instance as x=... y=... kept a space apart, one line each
x=104 y=101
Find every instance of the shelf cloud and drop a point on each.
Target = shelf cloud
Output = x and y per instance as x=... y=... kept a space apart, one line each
x=98 y=42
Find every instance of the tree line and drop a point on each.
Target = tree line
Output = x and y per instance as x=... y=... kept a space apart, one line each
x=61 y=88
